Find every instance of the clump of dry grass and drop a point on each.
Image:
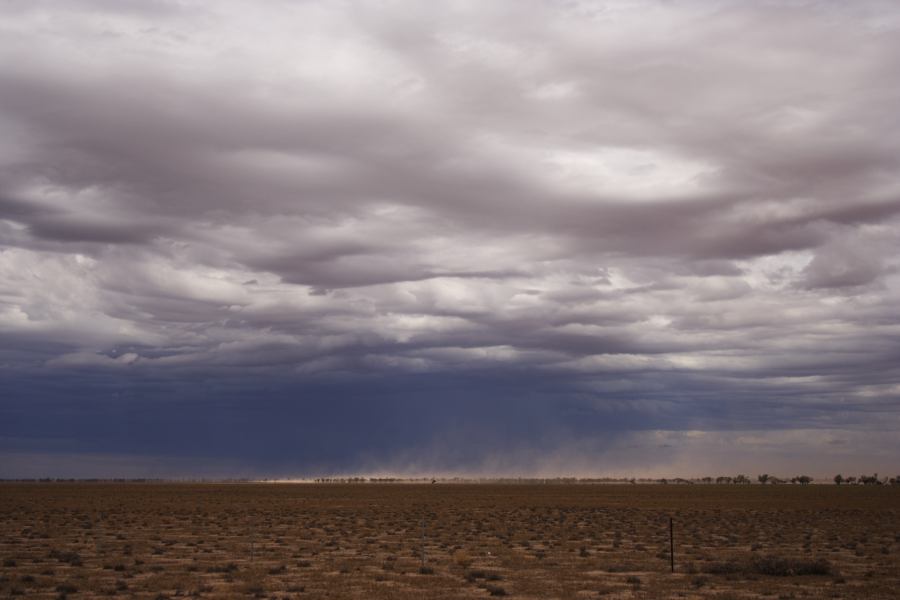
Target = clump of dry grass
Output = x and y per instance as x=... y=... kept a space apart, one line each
x=462 y=558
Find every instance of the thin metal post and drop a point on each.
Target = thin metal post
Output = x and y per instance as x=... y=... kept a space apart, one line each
x=671 y=545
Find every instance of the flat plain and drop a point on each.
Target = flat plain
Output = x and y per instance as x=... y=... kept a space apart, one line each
x=154 y=540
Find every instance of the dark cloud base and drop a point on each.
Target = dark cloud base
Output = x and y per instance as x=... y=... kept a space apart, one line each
x=487 y=423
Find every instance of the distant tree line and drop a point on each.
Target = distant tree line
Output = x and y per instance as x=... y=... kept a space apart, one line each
x=866 y=480
x=766 y=479
x=739 y=479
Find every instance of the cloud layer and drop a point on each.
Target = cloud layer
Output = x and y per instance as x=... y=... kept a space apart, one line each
x=518 y=229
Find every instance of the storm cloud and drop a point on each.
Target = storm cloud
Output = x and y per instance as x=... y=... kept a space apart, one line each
x=289 y=238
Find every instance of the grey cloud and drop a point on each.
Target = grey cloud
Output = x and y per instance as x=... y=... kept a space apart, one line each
x=840 y=267
x=676 y=208
x=68 y=230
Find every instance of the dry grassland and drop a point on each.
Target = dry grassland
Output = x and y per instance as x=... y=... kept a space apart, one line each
x=522 y=541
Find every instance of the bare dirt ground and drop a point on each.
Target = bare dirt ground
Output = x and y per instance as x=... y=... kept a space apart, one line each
x=523 y=541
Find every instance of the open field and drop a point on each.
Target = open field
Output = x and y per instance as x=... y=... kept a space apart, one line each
x=521 y=541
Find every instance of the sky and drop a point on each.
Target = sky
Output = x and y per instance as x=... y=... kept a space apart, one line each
x=516 y=237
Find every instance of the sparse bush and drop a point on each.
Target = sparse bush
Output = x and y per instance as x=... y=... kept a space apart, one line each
x=622 y=568
x=72 y=558
x=698 y=581
x=771 y=565
x=495 y=590
x=462 y=558
x=729 y=567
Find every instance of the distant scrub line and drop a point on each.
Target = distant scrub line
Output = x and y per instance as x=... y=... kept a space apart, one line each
x=740 y=479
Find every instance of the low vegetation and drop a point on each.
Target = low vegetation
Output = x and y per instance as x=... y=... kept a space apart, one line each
x=154 y=540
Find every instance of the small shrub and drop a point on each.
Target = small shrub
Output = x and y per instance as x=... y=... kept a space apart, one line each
x=495 y=590
x=9 y=562
x=772 y=566
x=229 y=568
x=66 y=557
x=622 y=568
x=781 y=567
x=730 y=567
x=423 y=570
x=462 y=558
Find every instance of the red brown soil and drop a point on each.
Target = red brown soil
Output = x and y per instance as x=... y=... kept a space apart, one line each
x=523 y=541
